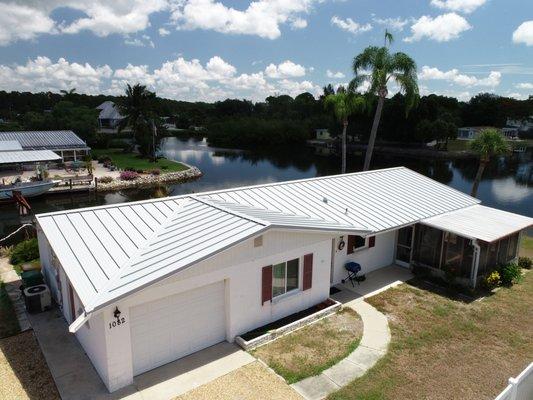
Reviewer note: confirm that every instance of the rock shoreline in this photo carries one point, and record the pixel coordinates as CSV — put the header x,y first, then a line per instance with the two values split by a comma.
x,y
152,180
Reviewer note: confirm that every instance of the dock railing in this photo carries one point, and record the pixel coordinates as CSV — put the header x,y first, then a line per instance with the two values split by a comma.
x,y
519,388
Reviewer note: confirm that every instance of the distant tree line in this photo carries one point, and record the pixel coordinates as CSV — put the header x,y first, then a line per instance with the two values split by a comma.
x,y
279,120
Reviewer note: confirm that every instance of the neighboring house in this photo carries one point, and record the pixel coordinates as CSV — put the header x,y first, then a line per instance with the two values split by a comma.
x,y
510,133
471,132
322,134
145,283
65,144
109,116
524,125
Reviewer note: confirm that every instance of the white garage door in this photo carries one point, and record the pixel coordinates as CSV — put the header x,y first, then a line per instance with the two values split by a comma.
x,y
175,326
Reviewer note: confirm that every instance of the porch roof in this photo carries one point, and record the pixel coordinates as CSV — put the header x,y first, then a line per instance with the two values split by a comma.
x,y
480,222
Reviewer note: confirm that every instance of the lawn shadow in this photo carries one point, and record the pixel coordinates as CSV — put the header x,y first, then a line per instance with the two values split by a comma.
x,y
452,292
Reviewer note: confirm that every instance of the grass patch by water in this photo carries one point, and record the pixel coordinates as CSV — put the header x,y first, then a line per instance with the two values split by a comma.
x,y
449,349
314,348
526,246
9,325
130,160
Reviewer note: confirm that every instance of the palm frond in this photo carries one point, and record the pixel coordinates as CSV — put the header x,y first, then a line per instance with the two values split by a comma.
x,y
389,39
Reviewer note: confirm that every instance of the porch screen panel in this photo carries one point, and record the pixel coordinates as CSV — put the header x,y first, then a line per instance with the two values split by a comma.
x,y
428,246
511,250
468,258
502,252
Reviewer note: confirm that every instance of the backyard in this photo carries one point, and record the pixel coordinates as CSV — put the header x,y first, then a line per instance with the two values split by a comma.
x,y
448,349
133,161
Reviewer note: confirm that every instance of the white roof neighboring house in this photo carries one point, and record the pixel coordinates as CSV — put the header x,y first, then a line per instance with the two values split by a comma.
x,y
108,110
111,251
10,145
24,156
45,140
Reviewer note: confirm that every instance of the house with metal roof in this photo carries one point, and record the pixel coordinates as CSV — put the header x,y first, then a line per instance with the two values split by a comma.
x,y
109,116
66,144
145,283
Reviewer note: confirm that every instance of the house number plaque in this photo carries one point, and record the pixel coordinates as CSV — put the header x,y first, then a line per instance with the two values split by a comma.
x,y
118,319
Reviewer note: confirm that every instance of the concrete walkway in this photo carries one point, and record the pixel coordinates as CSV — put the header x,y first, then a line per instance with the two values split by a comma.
x,y
12,284
373,346
76,378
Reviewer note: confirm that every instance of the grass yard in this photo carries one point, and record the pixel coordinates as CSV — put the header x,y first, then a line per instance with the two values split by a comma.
x,y
8,320
526,246
314,348
458,145
446,349
130,160
24,373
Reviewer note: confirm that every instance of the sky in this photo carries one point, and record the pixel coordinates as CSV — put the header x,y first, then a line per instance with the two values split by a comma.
x,y
207,50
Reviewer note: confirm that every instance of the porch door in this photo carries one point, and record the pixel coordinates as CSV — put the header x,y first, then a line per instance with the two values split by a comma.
x,y
403,246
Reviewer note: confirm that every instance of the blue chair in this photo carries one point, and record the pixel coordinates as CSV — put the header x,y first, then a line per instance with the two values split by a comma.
x,y
353,269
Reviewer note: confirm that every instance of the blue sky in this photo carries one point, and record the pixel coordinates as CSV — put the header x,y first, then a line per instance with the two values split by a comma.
x,y
214,49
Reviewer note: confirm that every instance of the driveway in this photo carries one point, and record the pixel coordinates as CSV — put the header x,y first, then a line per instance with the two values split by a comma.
x,y
76,378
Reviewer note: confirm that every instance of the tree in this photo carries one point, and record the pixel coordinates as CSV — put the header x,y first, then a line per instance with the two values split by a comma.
x,y
376,66
487,144
137,107
344,103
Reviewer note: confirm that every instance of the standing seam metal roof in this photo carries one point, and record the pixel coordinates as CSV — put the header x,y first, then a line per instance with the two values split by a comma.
x,y
21,156
45,140
111,251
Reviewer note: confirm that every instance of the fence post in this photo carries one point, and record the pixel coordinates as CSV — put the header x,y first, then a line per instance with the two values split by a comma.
x,y
96,184
514,388
70,183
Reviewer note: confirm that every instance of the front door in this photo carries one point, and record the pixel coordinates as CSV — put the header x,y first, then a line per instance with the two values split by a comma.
x,y
403,246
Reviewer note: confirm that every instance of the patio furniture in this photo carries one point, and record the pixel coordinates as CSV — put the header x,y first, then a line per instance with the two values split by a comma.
x,y
353,269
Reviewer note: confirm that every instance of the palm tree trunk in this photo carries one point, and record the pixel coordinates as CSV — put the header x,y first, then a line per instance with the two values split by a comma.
x,y
477,179
373,133
345,126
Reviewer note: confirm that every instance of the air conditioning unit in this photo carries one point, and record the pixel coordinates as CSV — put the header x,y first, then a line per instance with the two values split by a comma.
x,y
37,298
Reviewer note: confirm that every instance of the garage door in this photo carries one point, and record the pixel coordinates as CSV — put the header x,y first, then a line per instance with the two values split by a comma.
x,y
175,326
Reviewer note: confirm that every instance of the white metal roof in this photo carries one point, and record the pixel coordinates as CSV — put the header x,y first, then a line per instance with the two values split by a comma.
x,y
480,222
111,251
22,156
375,200
108,110
10,145
45,140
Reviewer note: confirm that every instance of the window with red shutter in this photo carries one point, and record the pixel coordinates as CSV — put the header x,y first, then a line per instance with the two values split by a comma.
x,y
371,241
308,272
355,242
266,284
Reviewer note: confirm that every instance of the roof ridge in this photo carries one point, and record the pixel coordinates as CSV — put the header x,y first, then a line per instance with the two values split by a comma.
x,y
220,207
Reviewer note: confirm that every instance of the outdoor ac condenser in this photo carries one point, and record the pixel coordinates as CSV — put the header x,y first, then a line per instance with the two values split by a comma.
x,y
37,298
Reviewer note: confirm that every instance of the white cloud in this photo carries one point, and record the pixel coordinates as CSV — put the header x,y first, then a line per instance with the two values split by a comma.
x,y
286,69
102,17
465,6
349,25
453,76
443,28
396,24
335,75
218,68
42,74
20,22
163,32
524,33
142,41
525,85
262,18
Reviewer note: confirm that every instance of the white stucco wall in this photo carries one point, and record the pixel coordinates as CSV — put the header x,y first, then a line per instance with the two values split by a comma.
x,y
370,259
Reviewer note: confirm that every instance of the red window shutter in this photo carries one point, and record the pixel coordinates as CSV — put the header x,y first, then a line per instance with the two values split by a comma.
x,y
308,272
371,241
266,284
351,244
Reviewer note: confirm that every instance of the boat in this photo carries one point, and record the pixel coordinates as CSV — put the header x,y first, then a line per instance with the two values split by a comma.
x,y
27,189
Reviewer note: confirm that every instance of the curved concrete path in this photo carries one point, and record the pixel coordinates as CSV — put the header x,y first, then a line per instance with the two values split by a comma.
x,y
373,346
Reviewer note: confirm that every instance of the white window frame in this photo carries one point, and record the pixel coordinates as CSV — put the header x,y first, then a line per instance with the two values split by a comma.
x,y
287,292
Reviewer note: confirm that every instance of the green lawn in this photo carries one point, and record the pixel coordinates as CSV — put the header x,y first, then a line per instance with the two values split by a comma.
x,y
447,349
130,160
526,247
458,145
9,325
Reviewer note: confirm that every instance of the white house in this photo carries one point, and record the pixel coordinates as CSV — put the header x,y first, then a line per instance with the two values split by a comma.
x,y
146,283
109,116
322,134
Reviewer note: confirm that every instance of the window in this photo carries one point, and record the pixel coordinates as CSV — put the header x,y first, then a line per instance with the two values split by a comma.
x,y
285,277
355,243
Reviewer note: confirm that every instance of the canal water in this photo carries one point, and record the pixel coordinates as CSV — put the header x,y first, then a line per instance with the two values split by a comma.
x,y
507,183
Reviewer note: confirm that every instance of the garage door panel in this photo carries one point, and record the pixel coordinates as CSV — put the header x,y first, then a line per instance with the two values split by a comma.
x,y
170,328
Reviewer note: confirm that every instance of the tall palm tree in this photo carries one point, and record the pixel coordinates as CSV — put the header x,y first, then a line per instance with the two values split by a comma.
x,y
489,143
377,67
138,110
344,103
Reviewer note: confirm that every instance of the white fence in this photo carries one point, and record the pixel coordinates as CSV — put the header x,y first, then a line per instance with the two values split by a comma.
x,y
519,388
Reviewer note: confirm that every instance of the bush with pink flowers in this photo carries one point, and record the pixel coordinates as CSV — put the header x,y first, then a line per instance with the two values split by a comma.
x,y
128,175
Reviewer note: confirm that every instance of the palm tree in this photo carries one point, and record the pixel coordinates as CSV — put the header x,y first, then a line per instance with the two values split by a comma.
x,y
137,109
487,144
377,67
67,93
344,103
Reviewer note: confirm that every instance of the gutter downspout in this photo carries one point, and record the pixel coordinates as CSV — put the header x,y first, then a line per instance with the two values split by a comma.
x,y
79,322
475,262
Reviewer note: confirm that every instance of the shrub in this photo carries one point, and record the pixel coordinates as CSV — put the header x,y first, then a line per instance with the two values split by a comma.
x,y
525,262
139,171
155,171
128,175
510,274
6,251
25,251
104,159
492,280
105,179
